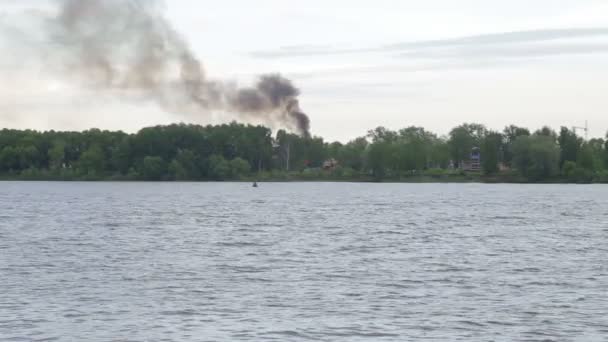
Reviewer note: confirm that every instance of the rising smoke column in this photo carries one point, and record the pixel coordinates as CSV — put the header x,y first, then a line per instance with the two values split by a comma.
x,y
128,47
273,91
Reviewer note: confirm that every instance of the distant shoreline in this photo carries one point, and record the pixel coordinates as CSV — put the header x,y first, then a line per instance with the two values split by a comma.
x,y
467,179
180,152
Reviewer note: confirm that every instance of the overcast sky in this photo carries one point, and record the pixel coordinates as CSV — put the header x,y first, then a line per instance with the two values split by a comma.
x,y
362,64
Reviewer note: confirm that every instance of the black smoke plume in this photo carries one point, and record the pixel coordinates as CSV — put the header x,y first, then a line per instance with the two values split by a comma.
x,y
128,47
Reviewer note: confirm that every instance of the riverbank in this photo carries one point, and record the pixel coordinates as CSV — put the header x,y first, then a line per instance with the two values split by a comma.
x,y
446,177
236,152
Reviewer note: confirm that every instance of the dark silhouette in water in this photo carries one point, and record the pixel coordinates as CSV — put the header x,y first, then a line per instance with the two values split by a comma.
x,y
255,184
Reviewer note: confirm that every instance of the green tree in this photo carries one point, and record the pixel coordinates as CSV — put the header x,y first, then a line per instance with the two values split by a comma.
x,y
239,167
177,171
462,140
586,159
352,155
415,146
219,168
154,168
491,150
57,155
195,152
9,159
569,144
547,132
188,165
92,161
569,170
120,156
510,134
536,156
381,155
596,146
28,156
440,154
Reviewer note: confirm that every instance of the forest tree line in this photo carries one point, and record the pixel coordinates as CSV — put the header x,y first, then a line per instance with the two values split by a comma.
x,y
237,151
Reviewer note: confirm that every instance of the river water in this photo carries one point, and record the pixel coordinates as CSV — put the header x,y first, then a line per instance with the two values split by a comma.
x,y
303,262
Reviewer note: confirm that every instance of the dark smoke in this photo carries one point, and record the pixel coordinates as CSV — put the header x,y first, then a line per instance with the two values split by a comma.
x,y
127,46
296,114
273,91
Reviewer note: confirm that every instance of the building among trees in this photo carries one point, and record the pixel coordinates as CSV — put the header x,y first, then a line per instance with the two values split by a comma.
x,y
237,151
474,162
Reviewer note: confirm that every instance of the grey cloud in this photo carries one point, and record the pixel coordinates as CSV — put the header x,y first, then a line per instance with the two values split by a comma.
x,y
517,51
307,50
441,66
506,38
493,39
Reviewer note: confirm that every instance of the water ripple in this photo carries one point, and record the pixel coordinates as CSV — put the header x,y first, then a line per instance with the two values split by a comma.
x,y
298,262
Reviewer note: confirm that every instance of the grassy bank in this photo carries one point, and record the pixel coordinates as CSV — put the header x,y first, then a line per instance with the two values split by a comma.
x,y
314,175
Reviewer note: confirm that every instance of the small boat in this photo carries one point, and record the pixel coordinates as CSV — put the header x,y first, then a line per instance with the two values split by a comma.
x,y
255,184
